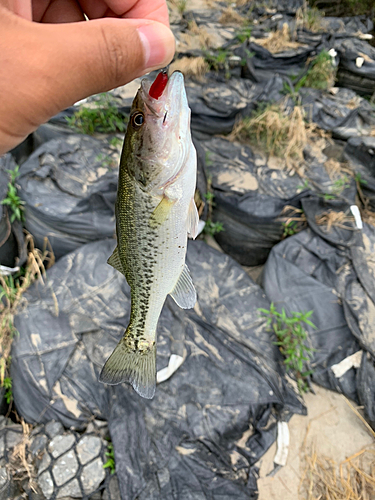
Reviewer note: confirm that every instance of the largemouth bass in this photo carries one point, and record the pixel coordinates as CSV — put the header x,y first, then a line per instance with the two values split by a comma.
x,y
155,212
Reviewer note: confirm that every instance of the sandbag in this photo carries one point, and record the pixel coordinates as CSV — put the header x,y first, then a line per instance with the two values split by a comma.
x,y
343,113
332,275
261,65
217,103
360,152
230,384
252,200
69,187
347,25
357,65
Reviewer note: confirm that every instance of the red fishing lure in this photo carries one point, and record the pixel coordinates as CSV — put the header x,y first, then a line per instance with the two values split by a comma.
x,y
157,88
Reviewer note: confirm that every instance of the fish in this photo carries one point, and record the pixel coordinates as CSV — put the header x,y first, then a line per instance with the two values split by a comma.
x,y
155,212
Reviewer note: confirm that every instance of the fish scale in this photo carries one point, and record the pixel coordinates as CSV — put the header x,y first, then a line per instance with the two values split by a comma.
x,y
155,211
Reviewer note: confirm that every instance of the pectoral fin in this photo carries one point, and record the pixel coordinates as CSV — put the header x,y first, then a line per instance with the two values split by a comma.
x,y
193,220
115,261
161,212
184,293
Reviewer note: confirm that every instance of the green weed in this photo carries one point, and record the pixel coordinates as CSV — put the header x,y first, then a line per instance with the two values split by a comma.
x,y
181,6
359,180
244,34
212,228
337,188
292,340
218,60
7,385
321,75
290,228
102,117
12,200
110,463
305,185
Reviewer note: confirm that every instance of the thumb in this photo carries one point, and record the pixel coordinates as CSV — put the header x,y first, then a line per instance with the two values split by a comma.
x,y
45,68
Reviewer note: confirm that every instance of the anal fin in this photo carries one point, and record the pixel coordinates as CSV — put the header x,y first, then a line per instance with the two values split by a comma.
x,y
115,261
184,293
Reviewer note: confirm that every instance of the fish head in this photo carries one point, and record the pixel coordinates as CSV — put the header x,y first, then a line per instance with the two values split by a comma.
x,y
158,140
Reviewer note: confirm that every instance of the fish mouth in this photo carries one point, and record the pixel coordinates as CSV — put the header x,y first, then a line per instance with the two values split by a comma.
x,y
169,93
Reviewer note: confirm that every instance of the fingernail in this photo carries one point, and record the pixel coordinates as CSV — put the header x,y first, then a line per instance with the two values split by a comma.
x,y
158,45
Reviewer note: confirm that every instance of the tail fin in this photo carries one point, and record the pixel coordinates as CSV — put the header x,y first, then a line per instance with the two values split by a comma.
x,y
134,365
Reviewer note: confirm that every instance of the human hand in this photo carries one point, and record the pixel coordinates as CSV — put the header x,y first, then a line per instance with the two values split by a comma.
x,y
50,57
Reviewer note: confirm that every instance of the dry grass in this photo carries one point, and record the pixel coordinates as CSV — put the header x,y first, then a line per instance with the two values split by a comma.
x,y
12,290
277,132
190,67
230,16
363,203
20,465
338,170
337,219
352,479
309,18
199,32
278,41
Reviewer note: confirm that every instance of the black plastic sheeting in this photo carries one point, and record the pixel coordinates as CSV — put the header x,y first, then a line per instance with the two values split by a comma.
x,y
360,152
217,103
344,113
69,187
332,274
352,74
261,64
12,239
185,443
254,201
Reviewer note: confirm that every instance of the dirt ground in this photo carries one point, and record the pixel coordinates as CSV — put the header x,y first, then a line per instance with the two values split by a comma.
x,y
331,429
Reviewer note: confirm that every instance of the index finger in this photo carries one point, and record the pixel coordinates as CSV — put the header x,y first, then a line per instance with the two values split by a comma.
x,y
155,10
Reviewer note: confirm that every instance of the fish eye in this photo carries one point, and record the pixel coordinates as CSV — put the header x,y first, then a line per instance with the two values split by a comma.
x,y
138,119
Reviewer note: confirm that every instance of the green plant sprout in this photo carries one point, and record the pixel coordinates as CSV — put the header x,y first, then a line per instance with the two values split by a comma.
x,y
110,463
337,189
359,180
305,185
212,228
7,385
290,228
321,74
12,200
218,60
244,34
292,341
